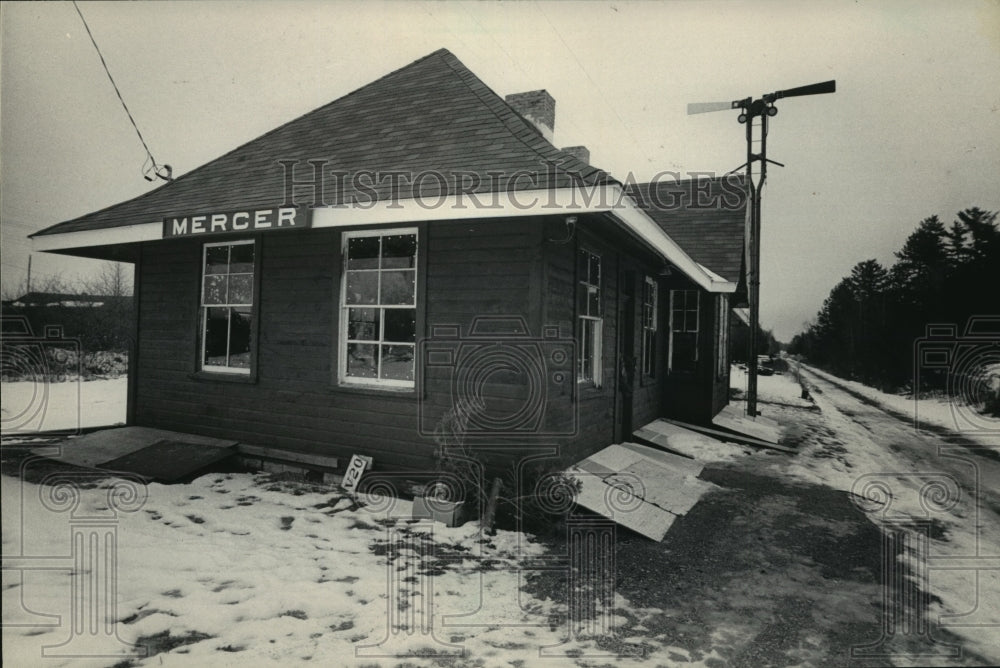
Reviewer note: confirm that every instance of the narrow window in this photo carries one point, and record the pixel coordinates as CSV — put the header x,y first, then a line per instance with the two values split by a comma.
x,y
378,308
649,293
227,306
722,339
591,321
683,329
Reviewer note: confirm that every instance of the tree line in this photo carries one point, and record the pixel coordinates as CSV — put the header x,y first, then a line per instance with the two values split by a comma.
x,y
873,320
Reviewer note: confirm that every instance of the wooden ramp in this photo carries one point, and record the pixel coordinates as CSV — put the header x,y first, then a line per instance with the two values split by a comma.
x,y
639,487
693,440
156,454
734,418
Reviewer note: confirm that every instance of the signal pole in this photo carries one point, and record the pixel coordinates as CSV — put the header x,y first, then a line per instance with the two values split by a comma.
x,y
763,108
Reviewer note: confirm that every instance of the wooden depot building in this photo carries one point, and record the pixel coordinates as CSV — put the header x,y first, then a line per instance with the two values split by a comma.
x,y
417,258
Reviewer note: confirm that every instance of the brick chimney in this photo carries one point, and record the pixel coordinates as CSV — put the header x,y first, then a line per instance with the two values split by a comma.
x,y
581,153
538,107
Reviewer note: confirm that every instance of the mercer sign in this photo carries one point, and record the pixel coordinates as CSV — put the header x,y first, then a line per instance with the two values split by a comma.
x,y
236,222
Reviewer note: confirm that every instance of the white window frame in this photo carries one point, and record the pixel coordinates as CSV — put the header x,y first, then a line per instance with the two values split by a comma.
x,y
355,381
213,368
650,315
592,323
673,325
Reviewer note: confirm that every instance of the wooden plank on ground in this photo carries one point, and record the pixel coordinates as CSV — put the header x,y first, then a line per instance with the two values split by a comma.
x,y
168,460
677,438
615,457
761,428
287,456
688,466
621,507
94,449
671,490
728,436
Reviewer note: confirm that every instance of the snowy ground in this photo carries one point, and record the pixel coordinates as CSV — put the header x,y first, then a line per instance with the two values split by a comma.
x,y
946,412
29,407
941,491
782,566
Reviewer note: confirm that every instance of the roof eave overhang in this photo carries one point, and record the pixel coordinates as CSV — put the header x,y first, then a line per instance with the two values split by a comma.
x,y
608,198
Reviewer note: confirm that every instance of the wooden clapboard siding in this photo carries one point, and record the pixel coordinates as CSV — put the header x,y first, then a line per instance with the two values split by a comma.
x,y
697,396
518,268
293,401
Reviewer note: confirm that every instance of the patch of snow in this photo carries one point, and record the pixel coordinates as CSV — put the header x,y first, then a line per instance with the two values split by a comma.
x,y
946,412
780,388
31,407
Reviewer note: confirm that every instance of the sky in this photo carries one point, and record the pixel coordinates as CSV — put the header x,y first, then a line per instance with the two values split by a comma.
x,y
912,131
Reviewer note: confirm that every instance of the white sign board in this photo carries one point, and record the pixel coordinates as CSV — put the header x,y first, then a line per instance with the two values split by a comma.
x,y
355,469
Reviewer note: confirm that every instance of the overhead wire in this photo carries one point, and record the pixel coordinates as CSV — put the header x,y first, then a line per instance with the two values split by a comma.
x,y
593,83
150,165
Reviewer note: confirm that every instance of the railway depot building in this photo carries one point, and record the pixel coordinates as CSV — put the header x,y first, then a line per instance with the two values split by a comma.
x,y
418,258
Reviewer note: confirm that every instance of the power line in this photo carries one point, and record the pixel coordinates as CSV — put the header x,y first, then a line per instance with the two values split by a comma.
x,y
593,83
162,171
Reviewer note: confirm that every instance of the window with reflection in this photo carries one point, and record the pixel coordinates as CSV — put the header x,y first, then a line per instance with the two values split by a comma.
x,y
590,317
378,308
227,306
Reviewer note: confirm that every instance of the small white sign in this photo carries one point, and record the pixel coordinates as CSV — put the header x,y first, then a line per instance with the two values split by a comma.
x,y
355,469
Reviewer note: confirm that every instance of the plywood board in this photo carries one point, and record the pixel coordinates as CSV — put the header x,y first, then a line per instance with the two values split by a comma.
x,y
689,466
169,461
671,490
727,436
96,448
615,457
621,507
761,428
676,437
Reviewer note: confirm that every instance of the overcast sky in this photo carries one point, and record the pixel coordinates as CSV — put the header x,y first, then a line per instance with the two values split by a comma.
x,y
913,129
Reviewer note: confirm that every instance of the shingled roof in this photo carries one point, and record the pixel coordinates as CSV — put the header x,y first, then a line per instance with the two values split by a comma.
x,y
705,216
432,115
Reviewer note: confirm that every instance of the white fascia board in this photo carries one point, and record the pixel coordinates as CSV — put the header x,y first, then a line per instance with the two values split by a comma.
x,y
639,222
719,280
604,198
108,236
545,202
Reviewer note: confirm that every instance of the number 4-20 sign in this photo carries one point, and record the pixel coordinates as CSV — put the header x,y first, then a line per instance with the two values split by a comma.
x,y
358,465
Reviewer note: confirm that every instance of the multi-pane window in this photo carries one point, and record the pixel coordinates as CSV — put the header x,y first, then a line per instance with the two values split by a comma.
x,y
722,337
649,292
378,308
683,329
227,306
588,296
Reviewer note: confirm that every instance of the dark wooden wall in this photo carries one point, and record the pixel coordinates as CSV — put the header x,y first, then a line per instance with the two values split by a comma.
x,y
293,400
522,268
696,396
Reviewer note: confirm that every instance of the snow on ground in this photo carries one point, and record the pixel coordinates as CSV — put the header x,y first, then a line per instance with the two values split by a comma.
x,y
940,411
273,576
916,482
252,572
781,388
29,407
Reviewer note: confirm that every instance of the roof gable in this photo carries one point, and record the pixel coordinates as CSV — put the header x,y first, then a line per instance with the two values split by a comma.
x,y
706,217
433,122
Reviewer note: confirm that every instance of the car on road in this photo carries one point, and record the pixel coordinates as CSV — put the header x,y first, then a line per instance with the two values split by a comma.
x,y
765,365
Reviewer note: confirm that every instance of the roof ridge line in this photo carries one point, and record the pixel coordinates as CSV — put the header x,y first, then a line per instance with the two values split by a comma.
x,y
462,72
439,52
